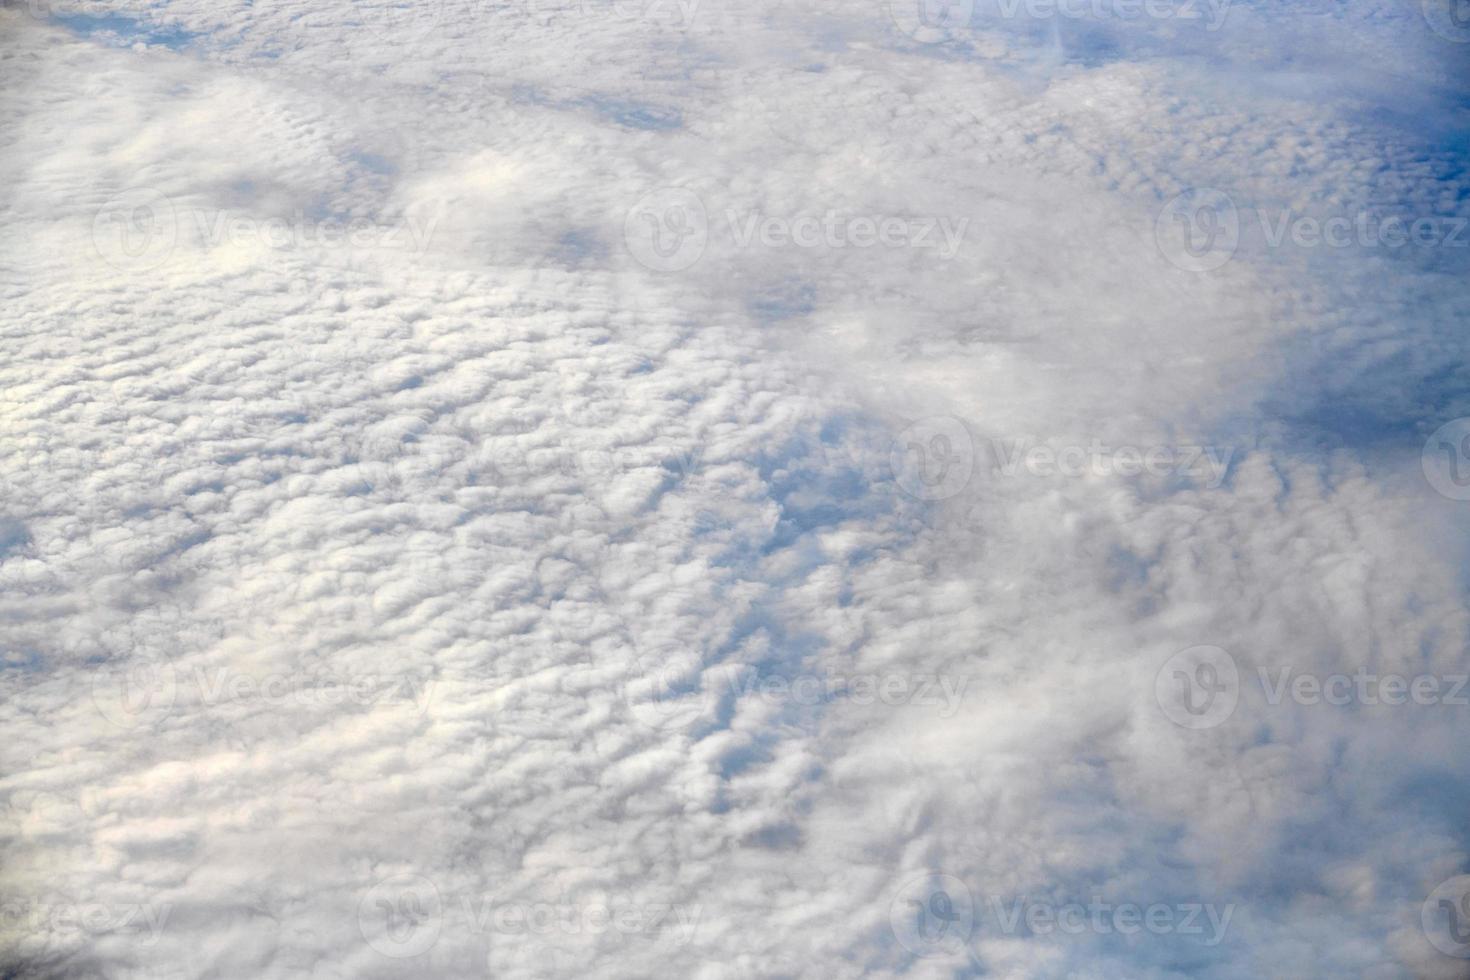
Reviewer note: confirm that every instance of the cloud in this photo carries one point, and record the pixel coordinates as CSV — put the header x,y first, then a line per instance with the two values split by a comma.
x,y
407,565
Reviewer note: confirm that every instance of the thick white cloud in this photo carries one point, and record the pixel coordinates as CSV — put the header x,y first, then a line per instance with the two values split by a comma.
x,y
659,488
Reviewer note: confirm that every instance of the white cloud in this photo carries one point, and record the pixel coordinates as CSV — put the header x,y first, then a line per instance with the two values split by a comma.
x,y
402,572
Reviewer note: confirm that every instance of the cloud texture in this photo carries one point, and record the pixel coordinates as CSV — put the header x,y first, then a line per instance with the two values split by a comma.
x,y
674,488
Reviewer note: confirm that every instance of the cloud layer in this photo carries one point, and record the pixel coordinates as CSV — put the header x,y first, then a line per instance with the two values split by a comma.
x,y
709,490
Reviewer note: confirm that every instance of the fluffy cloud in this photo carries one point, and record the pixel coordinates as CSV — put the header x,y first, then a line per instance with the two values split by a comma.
x,y
706,490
